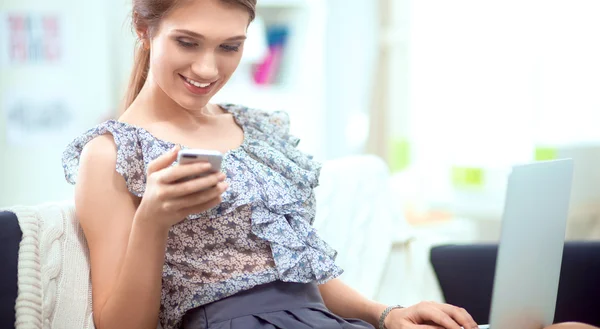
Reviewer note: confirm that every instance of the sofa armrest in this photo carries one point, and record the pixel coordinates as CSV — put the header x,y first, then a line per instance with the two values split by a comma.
x,y
466,276
10,237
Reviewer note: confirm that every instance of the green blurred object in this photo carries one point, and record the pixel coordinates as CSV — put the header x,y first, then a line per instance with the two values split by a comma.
x,y
467,177
399,154
544,153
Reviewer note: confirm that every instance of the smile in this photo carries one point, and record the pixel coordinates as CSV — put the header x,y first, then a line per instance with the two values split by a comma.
x,y
197,84
196,87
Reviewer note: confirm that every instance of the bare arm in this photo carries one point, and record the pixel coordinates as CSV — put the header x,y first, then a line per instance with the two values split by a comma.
x,y
126,256
127,237
348,303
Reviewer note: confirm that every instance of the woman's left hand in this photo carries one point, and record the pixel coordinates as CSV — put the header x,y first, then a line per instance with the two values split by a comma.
x,y
430,315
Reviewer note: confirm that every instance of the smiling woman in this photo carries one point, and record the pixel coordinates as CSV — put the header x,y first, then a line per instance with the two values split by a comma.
x,y
232,249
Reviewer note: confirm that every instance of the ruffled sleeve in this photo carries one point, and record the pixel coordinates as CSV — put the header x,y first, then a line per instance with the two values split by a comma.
x,y
130,164
278,181
276,123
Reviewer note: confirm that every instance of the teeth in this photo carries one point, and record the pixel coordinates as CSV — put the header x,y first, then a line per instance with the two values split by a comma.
x,y
197,84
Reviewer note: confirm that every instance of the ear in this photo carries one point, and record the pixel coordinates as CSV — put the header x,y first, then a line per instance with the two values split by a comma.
x,y
141,29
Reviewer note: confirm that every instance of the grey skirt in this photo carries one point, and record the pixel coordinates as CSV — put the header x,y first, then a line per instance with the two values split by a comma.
x,y
273,305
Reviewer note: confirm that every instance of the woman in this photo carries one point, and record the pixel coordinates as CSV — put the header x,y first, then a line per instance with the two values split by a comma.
x,y
232,249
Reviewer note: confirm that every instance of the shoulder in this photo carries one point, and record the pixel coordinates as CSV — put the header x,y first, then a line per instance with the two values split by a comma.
x,y
97,163
99,186
110,146
99,152
264,119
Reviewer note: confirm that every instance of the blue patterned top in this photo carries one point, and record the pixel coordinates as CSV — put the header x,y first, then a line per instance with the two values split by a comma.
x,y
261,232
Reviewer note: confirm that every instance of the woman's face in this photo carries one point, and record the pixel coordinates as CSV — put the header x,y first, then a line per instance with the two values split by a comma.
x,y
196,49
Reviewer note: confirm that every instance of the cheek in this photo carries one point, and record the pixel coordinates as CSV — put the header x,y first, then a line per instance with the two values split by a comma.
x,y
166,59
158,64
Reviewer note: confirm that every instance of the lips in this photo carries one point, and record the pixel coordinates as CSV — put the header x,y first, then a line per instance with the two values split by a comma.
x,y
196,87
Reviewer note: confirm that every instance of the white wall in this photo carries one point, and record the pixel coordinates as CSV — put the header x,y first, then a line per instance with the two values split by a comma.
x,y
352,41
33,173
489,81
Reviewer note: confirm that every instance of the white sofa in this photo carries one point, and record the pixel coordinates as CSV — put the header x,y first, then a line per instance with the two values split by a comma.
x,y
383,257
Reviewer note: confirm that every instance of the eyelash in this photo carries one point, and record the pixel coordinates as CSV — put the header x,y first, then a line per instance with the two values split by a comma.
x,y
186,44
230,48
226,48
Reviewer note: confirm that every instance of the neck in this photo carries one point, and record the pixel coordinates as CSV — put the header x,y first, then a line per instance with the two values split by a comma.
x,y
154,105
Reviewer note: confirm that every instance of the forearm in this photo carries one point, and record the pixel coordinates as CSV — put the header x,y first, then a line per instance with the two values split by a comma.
x,y
348,303
135,301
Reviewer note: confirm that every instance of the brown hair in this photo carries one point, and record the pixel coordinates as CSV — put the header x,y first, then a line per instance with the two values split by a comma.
x,y
146,15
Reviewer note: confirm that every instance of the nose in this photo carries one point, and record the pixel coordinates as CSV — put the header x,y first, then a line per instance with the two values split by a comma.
x,y
205,67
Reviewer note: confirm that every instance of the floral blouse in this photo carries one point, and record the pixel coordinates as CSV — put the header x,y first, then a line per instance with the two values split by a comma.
x,y
261,232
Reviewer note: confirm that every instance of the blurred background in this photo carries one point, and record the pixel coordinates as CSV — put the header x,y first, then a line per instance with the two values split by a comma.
x,y
449,94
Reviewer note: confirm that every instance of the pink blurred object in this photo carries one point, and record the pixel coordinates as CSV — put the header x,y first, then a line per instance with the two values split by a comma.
x,y
266,72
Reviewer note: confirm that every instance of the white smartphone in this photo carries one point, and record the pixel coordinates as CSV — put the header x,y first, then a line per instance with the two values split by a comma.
x,y
214,158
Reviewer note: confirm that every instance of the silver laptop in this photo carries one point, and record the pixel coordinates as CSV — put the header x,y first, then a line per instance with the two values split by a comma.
x,y
531,245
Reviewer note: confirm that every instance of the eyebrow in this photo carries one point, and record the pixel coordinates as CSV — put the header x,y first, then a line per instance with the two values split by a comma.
x,y
200,36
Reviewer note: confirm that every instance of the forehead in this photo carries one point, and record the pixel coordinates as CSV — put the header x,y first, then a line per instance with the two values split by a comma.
x,y
211,18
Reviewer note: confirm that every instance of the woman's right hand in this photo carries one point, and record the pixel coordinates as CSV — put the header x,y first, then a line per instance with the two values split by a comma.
x,y
167,201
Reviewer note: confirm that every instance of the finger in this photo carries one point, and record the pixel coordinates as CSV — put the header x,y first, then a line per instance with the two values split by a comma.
x,y
203,207
411,325
200,198
460,315
198,184
426,326
440,318
163,161
194,185
175,173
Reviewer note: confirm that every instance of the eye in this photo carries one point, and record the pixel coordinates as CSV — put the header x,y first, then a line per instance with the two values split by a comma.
x,y
186,44
229,48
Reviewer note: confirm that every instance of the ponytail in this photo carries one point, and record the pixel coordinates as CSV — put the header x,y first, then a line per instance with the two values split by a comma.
x,y
139,73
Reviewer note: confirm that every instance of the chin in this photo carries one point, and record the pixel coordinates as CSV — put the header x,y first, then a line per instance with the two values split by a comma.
x,y
191,106
184,98
194,102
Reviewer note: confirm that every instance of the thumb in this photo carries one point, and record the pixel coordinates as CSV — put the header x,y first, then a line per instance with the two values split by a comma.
x,y
163,161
